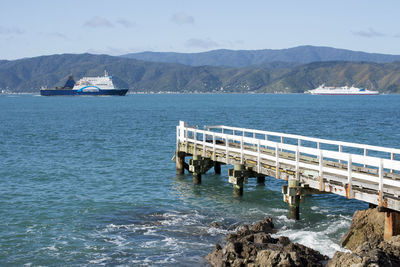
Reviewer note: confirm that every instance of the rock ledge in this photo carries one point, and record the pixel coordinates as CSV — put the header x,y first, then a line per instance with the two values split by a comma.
x,y
252,245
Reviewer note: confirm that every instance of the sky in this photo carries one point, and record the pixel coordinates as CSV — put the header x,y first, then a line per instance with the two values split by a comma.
x,y
30,28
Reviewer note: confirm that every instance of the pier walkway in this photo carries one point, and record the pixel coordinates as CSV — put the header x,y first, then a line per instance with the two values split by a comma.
x,y
310,165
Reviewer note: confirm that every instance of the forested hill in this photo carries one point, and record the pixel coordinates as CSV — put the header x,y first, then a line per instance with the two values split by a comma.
x,y
28,75
243,58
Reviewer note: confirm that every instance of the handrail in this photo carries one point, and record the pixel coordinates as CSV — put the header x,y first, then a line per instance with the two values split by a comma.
x,y
379,163
310,139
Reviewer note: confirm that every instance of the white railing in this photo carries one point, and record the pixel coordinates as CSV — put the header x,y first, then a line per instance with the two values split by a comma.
x,y
220,137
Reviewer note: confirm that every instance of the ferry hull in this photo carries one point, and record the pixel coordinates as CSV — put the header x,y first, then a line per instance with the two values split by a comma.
x,y
344,94
55,92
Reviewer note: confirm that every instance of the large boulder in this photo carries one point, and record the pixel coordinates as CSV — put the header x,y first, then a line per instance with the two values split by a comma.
x,y
367,226
386,253
252,245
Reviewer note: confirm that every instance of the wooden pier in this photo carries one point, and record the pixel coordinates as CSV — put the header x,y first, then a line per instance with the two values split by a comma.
x,y
310,165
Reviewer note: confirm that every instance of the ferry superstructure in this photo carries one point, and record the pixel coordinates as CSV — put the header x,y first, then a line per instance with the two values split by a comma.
x,y
344,90
101,85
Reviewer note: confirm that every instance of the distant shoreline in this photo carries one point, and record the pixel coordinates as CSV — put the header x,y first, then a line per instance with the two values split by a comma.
x,y
192,93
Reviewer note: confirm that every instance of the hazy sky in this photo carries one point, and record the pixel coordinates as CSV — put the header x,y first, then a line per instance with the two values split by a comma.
x,y
31,28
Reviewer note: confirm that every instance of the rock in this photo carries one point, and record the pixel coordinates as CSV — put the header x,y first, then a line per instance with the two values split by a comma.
x,y
265,225
367,226
386,253
215,225
252,245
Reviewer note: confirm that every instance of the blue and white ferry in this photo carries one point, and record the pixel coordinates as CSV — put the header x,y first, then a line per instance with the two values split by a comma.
x,y
89,86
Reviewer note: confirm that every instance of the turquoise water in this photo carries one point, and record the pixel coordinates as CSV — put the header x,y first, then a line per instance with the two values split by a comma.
x,y
90,181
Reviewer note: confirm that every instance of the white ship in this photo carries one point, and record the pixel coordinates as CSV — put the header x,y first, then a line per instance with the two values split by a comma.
x,y
344,90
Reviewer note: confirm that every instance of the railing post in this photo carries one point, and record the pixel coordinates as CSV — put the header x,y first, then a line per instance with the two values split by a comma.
x,y
340,150
297,163
381,182
365,154
321,177
349,189
258,157
186,140
214,155
204,144
392,158
195,142
227,149
241,151
177,138
277,174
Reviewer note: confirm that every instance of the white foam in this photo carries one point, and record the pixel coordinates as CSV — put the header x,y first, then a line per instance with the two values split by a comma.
x,y
335,226
51,248
99,261
172,219
284,219
278,210
117,240
317,237
217,231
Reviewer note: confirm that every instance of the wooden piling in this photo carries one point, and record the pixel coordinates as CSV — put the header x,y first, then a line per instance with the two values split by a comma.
x,y
180,162
392,224
197,171
237,179
293,199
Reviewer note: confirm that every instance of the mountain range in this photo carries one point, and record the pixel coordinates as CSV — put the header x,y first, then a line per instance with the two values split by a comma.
x,y
289,70
242,58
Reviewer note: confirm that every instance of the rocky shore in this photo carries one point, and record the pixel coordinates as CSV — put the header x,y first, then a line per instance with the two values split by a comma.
x,y
252,245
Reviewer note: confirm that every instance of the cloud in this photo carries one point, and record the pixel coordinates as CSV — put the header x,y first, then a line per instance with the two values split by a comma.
x,y
98,22
126,23
57,35
182,18
201,43
9,31
370,33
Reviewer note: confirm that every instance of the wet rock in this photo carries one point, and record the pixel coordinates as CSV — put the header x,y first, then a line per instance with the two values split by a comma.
x,y
215,225
386,253
252,245
367,226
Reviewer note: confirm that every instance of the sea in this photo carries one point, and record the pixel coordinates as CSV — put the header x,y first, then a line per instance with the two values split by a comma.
x,y
89,181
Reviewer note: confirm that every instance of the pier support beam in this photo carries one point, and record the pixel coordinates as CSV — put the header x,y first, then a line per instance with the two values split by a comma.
x,y
392,224
180,162
237,177
198,166
291,195
195,165
196,178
